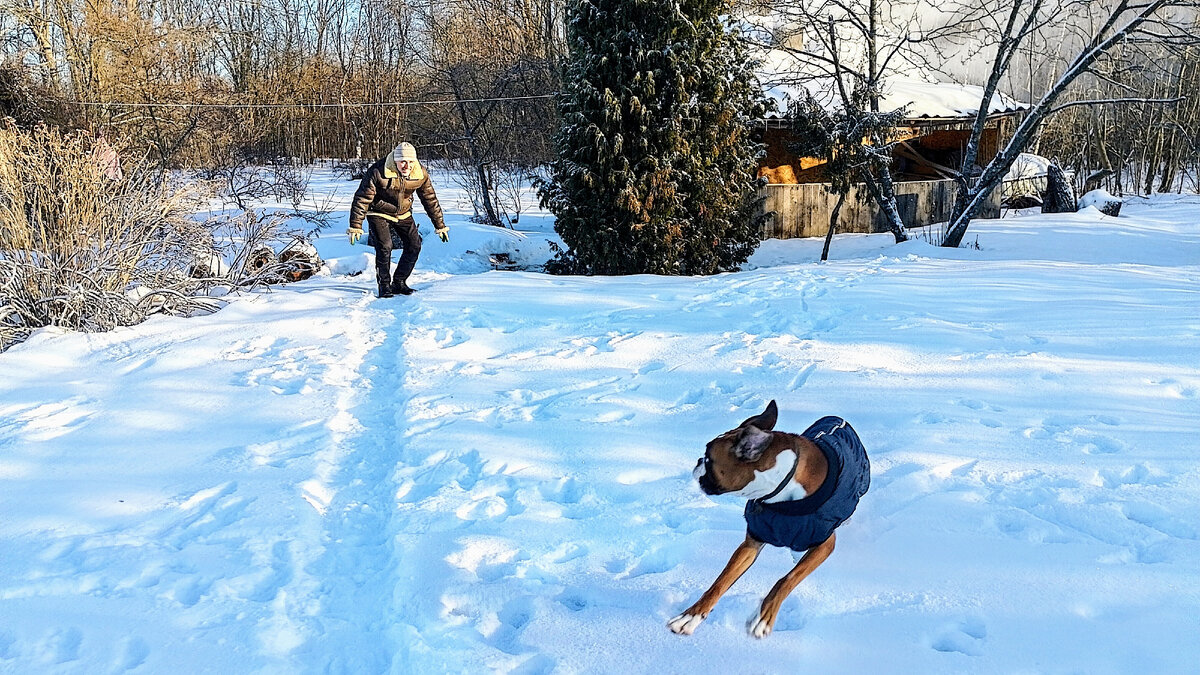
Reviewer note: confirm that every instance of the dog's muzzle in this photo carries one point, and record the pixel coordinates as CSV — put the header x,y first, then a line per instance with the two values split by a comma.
x,y
704,475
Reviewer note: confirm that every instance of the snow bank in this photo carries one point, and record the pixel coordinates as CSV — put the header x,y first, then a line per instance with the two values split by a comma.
x,y
494,475
1102,201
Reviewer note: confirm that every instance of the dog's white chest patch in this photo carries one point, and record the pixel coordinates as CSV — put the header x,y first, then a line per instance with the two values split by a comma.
x,y
765,482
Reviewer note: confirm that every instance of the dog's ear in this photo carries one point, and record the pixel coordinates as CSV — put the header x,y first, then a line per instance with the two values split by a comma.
x,y
764,420
751,443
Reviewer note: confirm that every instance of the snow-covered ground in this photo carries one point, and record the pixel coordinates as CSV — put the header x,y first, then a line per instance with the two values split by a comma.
x,y
494,475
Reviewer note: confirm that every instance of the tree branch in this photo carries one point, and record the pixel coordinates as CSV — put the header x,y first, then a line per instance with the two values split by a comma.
x,y
1106,101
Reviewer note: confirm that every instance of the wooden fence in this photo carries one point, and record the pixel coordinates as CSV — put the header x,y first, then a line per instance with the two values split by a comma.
x,y
804,210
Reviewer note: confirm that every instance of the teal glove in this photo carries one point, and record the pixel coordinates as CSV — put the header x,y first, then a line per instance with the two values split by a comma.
x,y
355,234
443,233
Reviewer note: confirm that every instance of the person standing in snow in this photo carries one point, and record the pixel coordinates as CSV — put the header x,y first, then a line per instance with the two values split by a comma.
x,y
385,200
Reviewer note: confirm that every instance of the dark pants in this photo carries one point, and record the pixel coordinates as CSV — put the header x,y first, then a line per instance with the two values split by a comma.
x,y
385,236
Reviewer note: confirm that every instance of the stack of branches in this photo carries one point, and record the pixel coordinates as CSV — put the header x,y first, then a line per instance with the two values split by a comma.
x,y
250,235
249,240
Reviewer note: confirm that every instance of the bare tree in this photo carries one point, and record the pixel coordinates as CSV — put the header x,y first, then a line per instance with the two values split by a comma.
x,y
488,56
1120,23
1142,147
837,138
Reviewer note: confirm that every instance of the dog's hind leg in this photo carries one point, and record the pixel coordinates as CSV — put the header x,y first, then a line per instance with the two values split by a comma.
x,y
761,625
742,559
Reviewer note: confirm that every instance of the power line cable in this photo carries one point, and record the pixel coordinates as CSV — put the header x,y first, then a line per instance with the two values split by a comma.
x,y
389,104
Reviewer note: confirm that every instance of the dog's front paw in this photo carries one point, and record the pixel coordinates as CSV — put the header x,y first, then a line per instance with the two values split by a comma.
x,y
760,626
685,624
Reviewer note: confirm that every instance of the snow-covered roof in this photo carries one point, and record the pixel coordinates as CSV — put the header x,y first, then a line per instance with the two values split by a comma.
x,y
924,100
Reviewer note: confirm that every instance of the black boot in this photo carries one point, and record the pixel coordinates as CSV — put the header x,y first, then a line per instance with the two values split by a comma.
x,y
385,290
402,288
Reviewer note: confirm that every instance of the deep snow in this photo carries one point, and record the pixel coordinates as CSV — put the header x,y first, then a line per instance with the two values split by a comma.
x,y
494,475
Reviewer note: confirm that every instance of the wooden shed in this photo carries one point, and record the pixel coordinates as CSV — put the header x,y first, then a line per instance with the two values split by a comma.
x,y
932,141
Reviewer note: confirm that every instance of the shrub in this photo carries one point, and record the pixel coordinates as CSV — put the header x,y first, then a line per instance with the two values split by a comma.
x,y
655,167
20,97
76,245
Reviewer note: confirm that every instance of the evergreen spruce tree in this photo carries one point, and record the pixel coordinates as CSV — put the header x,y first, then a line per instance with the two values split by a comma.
x,y
655,167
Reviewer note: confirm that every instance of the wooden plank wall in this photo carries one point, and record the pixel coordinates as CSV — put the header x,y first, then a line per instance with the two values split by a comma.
x,y
804,210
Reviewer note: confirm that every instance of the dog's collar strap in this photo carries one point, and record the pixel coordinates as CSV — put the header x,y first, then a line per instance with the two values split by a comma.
x,y
786,479
810,504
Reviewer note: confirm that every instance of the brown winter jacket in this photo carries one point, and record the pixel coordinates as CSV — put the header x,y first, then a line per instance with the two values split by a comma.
x,y
384,192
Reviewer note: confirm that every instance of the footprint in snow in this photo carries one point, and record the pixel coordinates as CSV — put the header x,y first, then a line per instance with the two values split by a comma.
x,y
282,570
965,637
1024,526
1075,433
792,617
1175,388
417,484
657,559
931,417
564,491
251,349
189,590
471,470
202,514
802,377
651,367
296,370
487,508
976,404
577,501
51,420
681,520
566,553
1096,444
131,653
494,499
578,599
512,619
1158,518
62,646
539,664
1138,474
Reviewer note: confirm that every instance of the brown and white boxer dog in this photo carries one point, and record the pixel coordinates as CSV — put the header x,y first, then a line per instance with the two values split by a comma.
x,y
799,488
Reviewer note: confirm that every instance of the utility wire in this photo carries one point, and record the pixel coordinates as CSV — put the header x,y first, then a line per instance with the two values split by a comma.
x,y
391,104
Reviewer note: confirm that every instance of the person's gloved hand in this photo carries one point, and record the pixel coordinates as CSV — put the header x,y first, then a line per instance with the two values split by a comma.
x,y
443,233
355,234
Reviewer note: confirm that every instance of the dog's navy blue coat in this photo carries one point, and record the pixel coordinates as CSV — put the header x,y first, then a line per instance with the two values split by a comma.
x,y
804,523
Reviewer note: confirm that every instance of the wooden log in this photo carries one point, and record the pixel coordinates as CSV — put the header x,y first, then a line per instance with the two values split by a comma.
x,y
1059,197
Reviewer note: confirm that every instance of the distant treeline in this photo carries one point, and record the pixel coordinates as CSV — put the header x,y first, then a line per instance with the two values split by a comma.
x,y
318,78
302,78
1149,146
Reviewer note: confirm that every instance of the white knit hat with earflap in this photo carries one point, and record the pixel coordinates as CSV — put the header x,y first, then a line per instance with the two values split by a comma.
x,y
405,152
